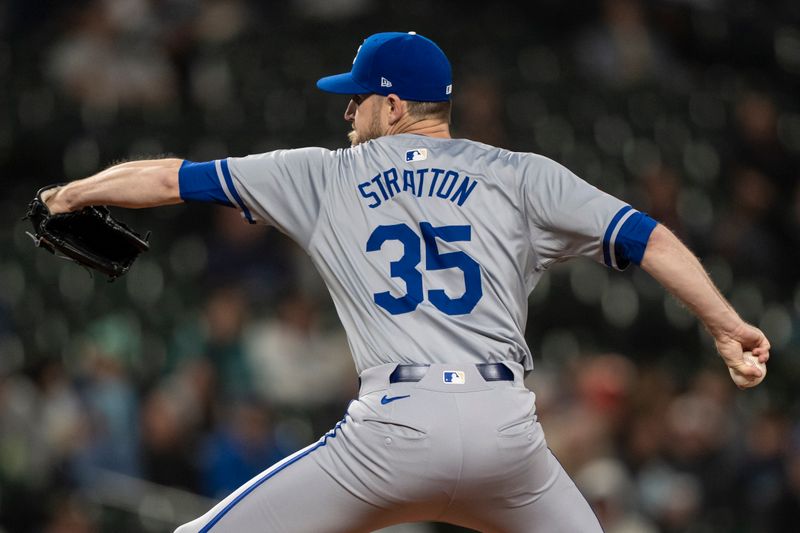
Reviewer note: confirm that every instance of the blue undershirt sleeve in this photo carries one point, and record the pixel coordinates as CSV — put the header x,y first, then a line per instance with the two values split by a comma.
x,y
199,182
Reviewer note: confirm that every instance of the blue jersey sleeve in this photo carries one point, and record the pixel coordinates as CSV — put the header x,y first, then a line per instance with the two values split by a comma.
x,y
626,238
283,188
568,217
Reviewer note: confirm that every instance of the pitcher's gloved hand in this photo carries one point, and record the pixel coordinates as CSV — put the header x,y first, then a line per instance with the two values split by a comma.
x,y
90,237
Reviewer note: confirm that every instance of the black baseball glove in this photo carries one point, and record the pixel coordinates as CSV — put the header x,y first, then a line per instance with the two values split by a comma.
x,y
90,237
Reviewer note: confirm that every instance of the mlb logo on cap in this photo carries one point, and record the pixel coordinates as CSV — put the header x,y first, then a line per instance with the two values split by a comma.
x,y
454,377
419,154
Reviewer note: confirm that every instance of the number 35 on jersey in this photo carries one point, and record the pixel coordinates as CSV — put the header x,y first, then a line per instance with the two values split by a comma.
x,y
406,268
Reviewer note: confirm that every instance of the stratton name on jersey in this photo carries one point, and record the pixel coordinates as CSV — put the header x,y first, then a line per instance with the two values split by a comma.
x,y
442,183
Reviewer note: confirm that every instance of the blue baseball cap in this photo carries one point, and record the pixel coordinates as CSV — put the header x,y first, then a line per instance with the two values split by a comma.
x,y
409,65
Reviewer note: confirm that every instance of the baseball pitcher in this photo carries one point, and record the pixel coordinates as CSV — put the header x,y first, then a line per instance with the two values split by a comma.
x,y
429,246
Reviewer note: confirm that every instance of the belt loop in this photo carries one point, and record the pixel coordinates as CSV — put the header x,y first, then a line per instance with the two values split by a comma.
x,y
408,373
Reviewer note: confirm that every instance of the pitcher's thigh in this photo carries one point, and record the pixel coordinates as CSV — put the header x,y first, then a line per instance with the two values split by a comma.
x,y
559,508
294,495
537,497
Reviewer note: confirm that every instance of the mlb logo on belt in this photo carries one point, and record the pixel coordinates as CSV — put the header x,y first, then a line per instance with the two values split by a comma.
x,y
419,154
454,377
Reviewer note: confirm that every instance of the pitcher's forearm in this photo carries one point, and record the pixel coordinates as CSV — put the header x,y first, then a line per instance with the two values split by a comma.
x,y
134,184
679,271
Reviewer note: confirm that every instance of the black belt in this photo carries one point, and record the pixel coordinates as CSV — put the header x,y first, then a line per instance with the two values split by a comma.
x,y
414,373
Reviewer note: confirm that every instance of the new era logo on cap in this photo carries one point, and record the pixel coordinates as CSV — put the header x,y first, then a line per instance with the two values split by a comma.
x,y
385,82
418,154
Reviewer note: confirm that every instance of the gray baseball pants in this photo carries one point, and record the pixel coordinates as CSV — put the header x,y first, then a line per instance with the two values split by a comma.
x,y
470,454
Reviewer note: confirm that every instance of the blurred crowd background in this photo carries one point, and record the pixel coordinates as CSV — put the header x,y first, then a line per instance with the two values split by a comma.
x,y
134,406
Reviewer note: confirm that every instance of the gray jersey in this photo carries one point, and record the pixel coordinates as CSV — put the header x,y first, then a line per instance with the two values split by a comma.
x,y
429,247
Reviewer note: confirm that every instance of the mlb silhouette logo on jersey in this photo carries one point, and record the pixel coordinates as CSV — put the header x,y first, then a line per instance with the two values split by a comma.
x,y
454,377
419,154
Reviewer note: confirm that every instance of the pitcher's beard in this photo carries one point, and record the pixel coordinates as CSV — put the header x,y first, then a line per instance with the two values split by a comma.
x,y
353,137
373,131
